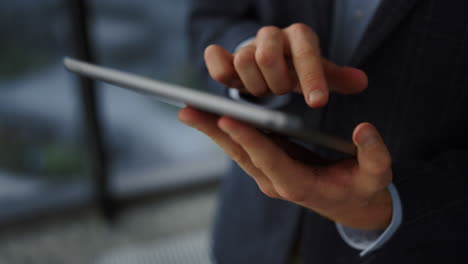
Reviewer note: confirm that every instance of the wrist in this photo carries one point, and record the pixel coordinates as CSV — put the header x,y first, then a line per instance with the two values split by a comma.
x,y
374,214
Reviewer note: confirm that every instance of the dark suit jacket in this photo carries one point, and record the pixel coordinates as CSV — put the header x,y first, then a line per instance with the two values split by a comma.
x,y
415,53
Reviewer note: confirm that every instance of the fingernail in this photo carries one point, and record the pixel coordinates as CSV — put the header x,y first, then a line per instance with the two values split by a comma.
x,y
316,96
367,137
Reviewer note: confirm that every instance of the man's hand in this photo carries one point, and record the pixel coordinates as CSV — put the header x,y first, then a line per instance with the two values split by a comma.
x,y
351,192
279,61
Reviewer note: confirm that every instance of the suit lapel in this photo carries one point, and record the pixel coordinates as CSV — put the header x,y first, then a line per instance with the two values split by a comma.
x,y
388,15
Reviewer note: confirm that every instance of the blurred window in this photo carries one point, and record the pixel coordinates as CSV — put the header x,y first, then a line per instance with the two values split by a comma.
x,y
150,148
42,148
42,158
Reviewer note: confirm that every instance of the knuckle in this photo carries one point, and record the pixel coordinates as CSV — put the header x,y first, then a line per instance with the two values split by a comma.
x,y
244,58
266,56
369,189
268,31
242,138
301,28
222,75
266,165
381,164
291,195
268,191
239,157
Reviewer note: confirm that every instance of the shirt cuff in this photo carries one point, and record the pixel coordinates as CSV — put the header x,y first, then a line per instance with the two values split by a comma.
x,y
368,241
271,101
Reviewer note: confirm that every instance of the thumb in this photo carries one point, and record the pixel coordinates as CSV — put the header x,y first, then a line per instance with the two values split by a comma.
x,y
373,156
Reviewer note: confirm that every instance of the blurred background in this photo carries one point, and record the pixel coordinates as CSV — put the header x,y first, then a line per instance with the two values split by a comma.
x,y
89,172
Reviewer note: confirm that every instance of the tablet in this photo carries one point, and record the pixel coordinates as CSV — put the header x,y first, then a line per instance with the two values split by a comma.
x,y
266,119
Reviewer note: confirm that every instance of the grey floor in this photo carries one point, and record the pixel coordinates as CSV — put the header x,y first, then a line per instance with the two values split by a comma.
x,y
170,230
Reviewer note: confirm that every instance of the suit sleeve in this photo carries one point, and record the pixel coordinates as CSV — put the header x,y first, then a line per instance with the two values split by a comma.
x,y
434,197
